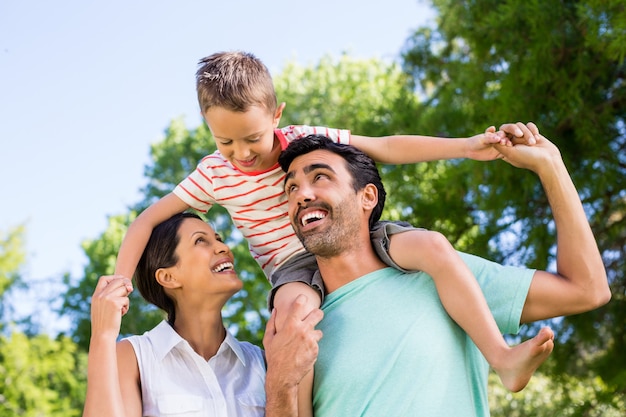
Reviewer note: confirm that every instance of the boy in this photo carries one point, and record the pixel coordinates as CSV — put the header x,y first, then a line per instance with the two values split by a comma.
x,y
238,102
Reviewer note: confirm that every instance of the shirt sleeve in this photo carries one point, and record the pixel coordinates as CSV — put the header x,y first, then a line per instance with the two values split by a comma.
x,y
505,289
197,190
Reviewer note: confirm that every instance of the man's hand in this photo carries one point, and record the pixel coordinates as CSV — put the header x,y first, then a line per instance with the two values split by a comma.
x,y
535,158
290,355
292,352
480,147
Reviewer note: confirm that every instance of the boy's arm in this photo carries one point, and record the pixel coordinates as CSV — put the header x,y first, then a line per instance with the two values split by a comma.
x,y
407,149
140,230
580,283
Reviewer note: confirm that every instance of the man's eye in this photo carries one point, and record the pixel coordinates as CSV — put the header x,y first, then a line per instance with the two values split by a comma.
x,y
289,189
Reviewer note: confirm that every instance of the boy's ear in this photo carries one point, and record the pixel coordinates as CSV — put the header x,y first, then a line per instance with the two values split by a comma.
x,y
166,279
369,196
279,114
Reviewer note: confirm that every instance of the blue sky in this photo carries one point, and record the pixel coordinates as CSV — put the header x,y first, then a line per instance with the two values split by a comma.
x,y
87,86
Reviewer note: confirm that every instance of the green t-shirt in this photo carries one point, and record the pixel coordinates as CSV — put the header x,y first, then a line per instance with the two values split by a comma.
x,y
390,349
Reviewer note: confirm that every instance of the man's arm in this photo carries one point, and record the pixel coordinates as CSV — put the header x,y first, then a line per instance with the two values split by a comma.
x,y
580,283
290,355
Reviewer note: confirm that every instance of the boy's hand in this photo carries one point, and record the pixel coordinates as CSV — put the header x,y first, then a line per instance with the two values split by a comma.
x,y
481,146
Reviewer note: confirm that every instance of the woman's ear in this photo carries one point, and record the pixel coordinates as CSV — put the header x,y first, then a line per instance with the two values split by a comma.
x,y
165,277
369,197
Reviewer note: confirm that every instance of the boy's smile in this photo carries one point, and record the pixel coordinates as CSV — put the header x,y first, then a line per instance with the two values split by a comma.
x,y
246,139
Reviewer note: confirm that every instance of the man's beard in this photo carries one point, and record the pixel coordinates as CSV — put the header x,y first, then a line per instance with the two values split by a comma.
x,y
338,236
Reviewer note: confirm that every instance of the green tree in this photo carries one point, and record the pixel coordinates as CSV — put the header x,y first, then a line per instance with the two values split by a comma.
x,y
369,97
560,64
12,257
41,376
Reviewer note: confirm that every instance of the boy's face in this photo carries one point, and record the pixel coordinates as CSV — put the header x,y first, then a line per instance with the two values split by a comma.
x,y
246,139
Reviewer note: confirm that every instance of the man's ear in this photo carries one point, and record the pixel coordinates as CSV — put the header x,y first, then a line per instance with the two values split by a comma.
x,y
165,277
369,196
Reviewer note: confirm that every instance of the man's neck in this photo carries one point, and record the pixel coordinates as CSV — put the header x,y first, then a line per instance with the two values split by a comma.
x,y
346,267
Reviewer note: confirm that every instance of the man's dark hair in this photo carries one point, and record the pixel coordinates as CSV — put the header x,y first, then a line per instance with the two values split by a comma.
x,y
362,168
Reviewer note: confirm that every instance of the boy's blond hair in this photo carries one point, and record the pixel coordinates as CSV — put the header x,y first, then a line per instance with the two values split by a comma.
x,y
235,81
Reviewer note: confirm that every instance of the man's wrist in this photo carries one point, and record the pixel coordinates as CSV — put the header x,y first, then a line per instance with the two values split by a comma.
x,y
281,396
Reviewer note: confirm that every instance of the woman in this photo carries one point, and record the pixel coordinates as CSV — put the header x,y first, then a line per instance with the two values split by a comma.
x,y
189,364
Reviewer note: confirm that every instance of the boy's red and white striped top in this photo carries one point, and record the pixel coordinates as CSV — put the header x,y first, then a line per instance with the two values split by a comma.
x,y
255,201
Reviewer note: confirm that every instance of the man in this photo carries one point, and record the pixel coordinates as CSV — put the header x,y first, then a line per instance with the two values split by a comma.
x,y
388,346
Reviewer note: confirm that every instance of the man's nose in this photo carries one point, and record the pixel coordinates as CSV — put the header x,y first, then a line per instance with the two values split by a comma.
x,y
304,195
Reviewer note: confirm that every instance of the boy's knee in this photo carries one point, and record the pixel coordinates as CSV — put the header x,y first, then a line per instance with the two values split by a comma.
x,y
286,294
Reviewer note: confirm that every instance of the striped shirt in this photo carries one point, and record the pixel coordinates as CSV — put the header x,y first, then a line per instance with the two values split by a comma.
x,y
255,201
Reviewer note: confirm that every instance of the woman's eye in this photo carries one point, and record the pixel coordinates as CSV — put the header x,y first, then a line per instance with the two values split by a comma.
x,y
200,240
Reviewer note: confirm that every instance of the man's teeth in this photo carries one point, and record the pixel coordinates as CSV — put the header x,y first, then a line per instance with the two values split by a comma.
x,y
223,267
311,217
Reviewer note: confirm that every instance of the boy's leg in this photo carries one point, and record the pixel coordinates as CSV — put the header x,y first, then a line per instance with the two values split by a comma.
x,y
463,299
298,275
286,294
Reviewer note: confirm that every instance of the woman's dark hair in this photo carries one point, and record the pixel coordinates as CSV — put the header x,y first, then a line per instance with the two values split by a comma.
x,y
362,168
160,252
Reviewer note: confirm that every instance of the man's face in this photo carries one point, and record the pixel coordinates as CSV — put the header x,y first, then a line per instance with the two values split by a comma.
x,y
323,206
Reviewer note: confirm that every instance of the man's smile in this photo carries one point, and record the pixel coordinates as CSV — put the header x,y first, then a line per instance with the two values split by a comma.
x,y
309,217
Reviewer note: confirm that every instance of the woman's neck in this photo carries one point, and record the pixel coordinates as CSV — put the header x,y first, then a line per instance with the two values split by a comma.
x,y
204,331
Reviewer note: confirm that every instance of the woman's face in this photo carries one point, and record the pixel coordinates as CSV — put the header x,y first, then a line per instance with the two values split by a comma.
x,y
205,264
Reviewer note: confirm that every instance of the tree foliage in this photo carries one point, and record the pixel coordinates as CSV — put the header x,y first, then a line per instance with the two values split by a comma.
x,y
560,64
41,376
12,256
